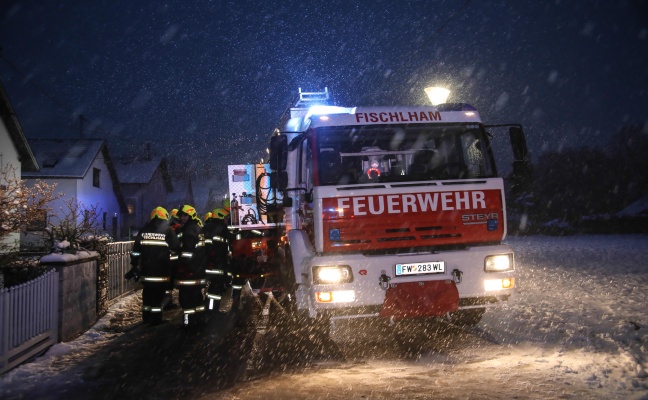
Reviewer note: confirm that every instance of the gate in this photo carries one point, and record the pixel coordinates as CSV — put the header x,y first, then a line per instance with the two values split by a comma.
x,y
118,265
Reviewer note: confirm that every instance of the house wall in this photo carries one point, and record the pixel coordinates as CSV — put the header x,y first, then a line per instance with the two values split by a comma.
x,y
154,195
68,187
8,151
147,197
84,192
8,156
104,196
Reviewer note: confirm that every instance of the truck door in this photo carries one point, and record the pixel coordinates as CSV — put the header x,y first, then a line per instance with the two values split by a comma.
x,y
305,183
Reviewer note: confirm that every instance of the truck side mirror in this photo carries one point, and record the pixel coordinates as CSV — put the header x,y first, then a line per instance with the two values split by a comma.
x,y
521,163
518,142
278,180
278,152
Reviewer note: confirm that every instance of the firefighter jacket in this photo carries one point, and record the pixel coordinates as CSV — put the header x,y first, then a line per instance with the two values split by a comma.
x,y
155,245
217,244
191,261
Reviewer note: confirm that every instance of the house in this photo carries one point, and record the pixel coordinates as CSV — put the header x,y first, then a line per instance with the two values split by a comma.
x,y
145,183
638,208
83,171
182,194
15,155
212,191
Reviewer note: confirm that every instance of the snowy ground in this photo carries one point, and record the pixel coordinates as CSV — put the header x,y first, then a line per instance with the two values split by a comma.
x,y
577,329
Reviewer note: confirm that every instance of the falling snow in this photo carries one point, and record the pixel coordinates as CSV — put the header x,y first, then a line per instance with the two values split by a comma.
x,y
577,328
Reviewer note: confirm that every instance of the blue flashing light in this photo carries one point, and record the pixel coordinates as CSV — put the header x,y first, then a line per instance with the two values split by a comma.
x,y
323,110
492,224
455,107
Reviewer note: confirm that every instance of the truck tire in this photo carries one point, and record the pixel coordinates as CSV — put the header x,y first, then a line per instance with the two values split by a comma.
x,y
468,318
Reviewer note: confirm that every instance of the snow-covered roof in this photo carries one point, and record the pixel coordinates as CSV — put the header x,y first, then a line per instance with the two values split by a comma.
x,y
137,170
63,158
639,207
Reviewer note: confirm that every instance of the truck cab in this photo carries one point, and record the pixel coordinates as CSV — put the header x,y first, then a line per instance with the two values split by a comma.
x,y
392,212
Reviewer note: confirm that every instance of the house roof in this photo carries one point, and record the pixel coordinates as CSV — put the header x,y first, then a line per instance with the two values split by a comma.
x,y
71,159
135,170
64,158
27,160
637,208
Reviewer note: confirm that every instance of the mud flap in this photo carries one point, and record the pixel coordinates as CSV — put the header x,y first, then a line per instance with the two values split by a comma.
x,y
420,299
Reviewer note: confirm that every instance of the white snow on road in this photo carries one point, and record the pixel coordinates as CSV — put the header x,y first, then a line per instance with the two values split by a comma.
x,y
577,328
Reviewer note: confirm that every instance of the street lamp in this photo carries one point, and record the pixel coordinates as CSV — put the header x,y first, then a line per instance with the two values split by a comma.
x,y
437,95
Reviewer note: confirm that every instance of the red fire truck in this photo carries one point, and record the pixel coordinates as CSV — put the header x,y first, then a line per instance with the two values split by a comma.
x,y
384,212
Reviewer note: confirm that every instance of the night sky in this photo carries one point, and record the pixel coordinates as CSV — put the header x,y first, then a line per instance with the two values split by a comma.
x,y
209,80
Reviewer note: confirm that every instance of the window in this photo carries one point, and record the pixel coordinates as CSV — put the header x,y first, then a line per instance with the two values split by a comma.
x,y
131,205
96,177
418,152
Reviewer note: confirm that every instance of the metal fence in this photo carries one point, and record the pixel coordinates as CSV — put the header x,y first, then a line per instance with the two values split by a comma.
x,y
28,319
118,265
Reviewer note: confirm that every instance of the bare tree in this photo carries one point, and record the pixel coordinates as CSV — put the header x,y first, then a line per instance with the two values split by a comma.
x,y
21,208
76,223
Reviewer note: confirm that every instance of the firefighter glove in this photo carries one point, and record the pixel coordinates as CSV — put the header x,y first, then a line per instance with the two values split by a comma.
x,y
134,273
227,281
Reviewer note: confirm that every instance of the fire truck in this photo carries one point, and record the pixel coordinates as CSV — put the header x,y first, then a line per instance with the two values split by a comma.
x,y
380,212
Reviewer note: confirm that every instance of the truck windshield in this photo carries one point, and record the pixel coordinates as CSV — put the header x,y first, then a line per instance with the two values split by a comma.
x,y
369,154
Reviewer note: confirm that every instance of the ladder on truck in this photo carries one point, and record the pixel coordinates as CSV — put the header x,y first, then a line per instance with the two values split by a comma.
x,y
309,99
300,104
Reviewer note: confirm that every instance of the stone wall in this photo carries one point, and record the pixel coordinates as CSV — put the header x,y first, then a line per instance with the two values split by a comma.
x,y
77,291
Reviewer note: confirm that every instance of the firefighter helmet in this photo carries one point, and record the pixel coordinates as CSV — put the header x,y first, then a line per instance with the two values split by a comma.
x,y
208,216
220,213
188,210
174,212
226,204
160,212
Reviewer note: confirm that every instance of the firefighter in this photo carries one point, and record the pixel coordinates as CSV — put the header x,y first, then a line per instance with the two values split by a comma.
x,y
190,274
175,224
217,249
174,221
154,246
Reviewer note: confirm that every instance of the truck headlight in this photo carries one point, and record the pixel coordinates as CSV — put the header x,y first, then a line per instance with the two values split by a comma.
x,y
332,274
499,263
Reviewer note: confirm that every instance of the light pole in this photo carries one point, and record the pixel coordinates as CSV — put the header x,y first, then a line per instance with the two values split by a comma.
x,y
437,95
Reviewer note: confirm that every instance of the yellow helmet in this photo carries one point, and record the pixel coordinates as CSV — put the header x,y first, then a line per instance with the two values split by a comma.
x,y
226,204
208,216
160,212
188,210
220,213
174,212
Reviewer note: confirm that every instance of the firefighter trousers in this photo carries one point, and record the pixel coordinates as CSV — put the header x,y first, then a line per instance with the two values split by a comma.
x,y
153,299
192,300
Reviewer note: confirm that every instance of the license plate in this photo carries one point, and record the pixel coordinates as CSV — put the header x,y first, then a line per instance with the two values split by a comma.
x,y
433,267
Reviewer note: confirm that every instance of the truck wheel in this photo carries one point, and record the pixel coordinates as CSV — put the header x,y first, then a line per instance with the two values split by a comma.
x,y
469,317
